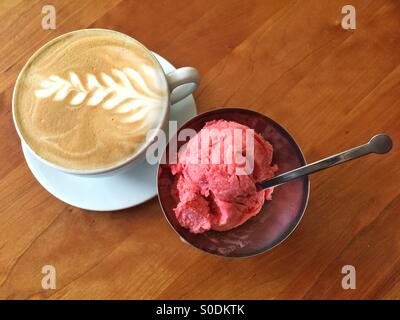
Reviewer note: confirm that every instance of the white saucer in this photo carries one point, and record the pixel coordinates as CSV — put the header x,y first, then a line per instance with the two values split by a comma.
x,y
120,191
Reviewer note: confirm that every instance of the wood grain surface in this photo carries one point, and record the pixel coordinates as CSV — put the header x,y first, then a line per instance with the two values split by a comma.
x,y
291,60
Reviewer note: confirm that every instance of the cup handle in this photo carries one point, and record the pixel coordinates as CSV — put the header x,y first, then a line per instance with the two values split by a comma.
x,y
187,77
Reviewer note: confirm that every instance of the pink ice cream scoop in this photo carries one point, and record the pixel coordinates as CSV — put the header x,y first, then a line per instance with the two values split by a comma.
x,y
212,194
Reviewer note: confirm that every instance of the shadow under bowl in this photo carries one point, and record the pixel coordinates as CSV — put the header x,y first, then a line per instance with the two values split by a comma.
x,y
278,217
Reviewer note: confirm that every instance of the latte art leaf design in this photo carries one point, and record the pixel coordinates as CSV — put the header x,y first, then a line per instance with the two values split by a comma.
x,y
114,91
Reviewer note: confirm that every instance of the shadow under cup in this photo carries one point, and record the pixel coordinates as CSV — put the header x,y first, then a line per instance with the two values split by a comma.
x,y
278,217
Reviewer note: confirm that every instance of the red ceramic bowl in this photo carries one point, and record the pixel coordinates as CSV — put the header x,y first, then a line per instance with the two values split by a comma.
x,y
277,219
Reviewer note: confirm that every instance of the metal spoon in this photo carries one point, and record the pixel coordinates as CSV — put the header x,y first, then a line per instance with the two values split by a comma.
x,y
380,143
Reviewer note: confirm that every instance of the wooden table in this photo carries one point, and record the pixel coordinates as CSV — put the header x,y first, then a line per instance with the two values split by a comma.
x,y
291,60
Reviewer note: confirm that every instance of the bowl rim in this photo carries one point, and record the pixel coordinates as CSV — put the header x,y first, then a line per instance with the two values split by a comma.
x,y
306,182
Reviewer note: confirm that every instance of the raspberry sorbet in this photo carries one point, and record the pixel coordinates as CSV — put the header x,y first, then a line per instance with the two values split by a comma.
x,y
212,195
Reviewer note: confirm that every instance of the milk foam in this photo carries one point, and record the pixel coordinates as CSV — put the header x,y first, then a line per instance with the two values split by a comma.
x,y
88,99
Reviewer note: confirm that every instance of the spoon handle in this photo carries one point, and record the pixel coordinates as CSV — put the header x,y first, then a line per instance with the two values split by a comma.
x,y
380,143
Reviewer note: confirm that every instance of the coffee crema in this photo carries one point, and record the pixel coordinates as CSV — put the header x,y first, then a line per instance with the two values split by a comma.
x,y
86,100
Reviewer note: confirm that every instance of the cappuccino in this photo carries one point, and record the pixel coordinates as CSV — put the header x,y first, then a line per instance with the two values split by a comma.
x,y
87,99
